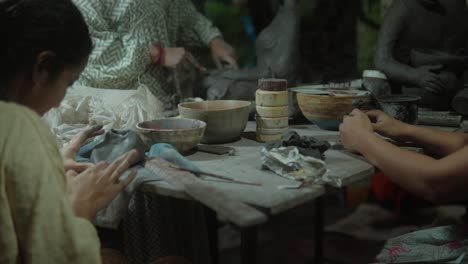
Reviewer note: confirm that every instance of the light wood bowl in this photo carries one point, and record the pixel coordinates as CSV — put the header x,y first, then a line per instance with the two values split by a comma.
x,y
225,119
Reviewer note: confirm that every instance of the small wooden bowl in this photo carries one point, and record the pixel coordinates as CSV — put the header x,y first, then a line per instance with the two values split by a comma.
x,y
184,134
327,111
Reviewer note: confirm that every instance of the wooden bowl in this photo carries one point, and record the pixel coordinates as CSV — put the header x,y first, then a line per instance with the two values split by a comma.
x,y
225,119
327,111
184,134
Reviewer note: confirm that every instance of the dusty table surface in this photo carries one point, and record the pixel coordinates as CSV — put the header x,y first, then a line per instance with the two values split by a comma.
x,y
246,165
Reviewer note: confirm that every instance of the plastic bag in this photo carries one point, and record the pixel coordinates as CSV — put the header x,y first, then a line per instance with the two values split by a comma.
x,y
289,163
114,109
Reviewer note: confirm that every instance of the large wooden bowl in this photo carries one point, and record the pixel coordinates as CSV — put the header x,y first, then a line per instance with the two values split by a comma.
x,y
183,134
225,119
327,111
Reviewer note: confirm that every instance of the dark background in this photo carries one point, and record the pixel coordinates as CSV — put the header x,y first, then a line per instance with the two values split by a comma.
x,y
338,37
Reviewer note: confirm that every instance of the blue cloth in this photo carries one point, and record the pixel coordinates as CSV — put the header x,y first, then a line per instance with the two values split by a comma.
x,y
111,216
170,154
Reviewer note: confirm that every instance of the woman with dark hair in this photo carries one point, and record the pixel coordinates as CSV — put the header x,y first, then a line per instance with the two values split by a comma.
x,y
46,207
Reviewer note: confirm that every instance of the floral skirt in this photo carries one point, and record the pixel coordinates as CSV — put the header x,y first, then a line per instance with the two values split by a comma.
x,y
446,244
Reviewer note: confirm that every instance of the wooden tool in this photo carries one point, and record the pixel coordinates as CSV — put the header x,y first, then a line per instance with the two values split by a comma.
x,y
216,176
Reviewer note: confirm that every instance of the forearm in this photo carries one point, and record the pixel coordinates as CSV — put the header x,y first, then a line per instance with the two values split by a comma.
x,y
395,70
434,141
439,181
410,170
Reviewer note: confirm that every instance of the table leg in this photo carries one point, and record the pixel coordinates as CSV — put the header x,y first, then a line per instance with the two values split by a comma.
x,y
248,245
212,228
319,229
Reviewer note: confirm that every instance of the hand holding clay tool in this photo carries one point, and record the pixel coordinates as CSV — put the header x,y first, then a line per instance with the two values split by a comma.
x,y
197,172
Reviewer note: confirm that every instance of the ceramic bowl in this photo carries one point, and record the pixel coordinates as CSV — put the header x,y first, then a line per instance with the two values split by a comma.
x,y
184,134
401,107
327,111
225,119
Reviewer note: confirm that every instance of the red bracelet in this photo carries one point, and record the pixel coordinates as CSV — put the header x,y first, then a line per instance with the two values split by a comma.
x,y
157,59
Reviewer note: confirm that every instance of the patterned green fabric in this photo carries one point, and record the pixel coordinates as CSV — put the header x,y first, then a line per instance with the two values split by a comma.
x,y
447,244
122,32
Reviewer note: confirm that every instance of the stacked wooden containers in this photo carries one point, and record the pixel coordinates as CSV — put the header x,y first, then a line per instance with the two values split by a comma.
x,y
272,105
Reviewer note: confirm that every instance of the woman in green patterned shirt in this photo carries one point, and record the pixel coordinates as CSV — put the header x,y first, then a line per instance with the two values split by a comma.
x,y
142,43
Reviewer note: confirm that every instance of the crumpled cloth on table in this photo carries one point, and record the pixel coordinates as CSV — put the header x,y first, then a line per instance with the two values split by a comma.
x,y
287,162
116,144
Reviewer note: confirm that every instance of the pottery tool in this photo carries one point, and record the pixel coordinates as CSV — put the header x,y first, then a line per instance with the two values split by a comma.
x,y
217,150
198,172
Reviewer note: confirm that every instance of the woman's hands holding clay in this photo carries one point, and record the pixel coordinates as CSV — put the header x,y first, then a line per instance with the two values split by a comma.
x,y
354,128
386,125
97,186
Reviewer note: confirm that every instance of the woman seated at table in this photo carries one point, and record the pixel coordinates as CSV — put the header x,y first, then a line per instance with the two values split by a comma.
x,y
47,201
441,180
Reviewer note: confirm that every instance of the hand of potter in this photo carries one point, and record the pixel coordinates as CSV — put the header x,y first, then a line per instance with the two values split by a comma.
x,y
428,78
180,58
69,152
97,186
223,52
355,127
385,125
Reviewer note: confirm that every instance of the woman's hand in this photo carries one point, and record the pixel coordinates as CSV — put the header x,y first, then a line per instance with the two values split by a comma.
x,y
69,152
223,52
97,186
386,125
354,128
178,58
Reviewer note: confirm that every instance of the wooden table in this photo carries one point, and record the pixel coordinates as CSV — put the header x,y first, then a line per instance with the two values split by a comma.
x,y
268,199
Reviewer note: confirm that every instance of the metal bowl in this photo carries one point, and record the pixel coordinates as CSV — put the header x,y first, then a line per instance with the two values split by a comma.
x,y
225,119
184,134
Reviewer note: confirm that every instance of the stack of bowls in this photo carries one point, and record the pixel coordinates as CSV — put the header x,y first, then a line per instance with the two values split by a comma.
x,y
272,109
